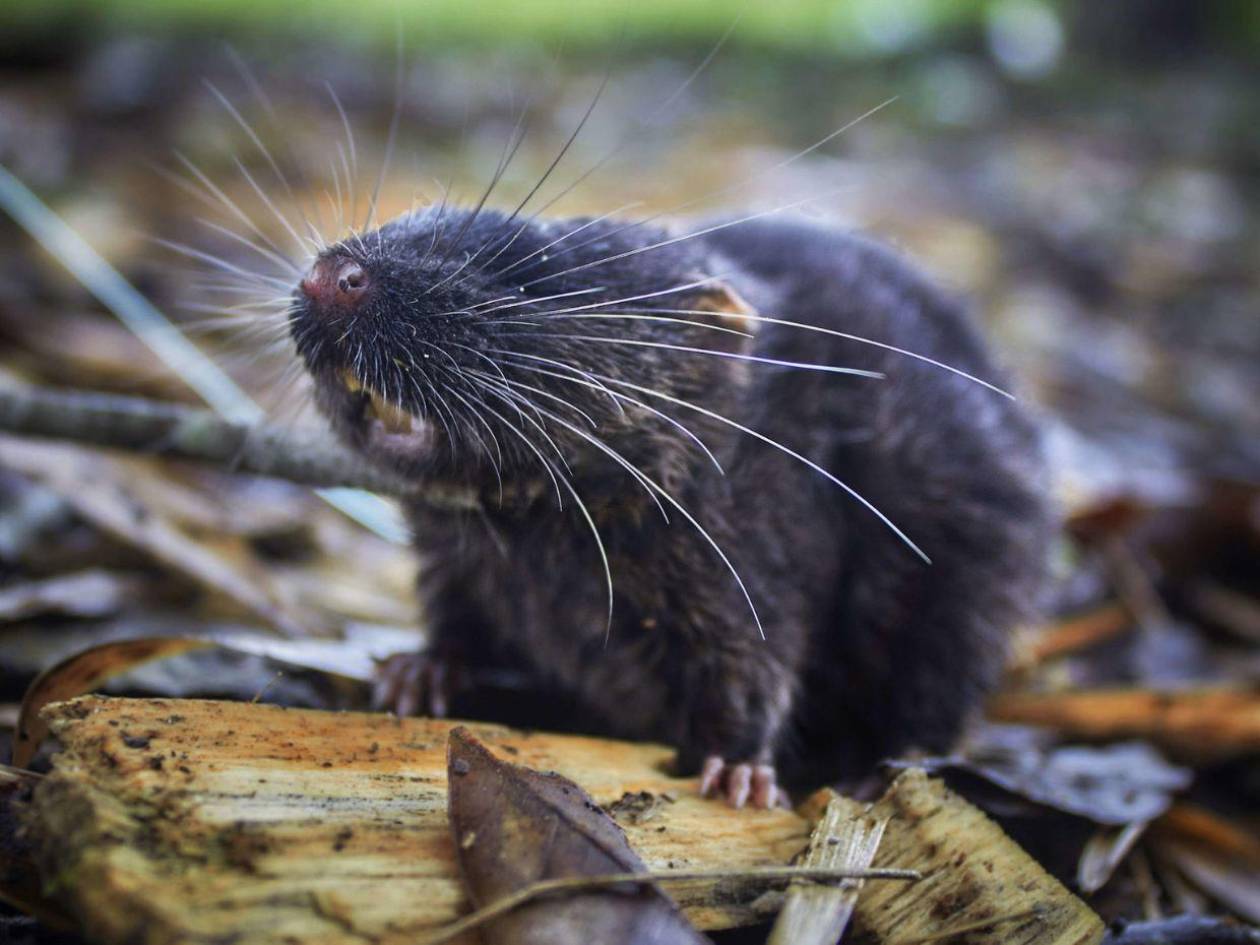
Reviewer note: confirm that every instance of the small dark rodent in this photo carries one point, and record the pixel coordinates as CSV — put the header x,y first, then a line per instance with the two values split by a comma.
x,y
581,363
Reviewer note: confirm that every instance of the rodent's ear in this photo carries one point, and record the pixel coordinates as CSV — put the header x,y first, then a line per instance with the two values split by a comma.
x,y
731,311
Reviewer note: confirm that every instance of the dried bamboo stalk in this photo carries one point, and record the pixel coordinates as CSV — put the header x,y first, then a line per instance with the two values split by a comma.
x,y
843,838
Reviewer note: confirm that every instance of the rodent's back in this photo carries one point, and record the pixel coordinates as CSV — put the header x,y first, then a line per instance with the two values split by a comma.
x,y
911,648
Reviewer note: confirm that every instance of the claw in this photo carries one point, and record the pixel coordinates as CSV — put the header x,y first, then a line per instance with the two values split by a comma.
x,y
408,683
711,775
765,792
740,783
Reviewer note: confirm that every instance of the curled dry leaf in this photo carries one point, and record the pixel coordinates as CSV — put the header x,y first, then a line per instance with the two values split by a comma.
x,y
1113,786
82,673
513,827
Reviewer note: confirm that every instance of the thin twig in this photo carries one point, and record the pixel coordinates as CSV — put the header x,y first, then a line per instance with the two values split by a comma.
x,y
165,339
575,884
311,456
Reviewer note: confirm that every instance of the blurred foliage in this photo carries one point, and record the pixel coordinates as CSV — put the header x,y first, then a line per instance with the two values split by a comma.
x,y
838,27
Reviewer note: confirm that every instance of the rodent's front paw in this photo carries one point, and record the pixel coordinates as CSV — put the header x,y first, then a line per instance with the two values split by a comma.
x,y
413,684
742,782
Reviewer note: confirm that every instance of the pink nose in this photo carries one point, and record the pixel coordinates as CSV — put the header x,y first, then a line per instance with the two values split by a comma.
x,y
334,282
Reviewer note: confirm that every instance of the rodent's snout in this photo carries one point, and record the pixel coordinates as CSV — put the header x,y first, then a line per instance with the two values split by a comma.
x,y
333,282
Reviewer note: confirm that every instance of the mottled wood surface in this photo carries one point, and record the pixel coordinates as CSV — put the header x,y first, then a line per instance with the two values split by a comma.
x,y
193,821
975,878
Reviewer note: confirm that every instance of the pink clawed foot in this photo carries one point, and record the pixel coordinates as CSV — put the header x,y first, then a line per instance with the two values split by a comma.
x,y
741,782
411,683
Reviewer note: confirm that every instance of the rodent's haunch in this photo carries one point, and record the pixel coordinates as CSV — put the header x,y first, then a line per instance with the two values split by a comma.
x,y
593,378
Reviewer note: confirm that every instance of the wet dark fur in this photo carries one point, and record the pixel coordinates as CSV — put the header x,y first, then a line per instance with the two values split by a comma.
x,y
868,650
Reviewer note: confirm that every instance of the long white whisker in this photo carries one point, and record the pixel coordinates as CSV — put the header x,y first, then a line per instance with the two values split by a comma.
x,y
582,509
670,290
304,243
536,319
612,395
538,390
627,137
547,174
217,192
664,493
282,262
531,301
661,244
630,400
573,232
526,440
779,446
391,136
732,355
744,182
634,471
496,464
804,326
222,264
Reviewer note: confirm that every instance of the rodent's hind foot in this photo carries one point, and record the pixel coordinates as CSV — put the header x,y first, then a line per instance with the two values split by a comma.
x,y
741,783
415,683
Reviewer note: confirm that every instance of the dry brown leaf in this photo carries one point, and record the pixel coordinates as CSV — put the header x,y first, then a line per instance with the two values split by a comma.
x,y
98,353
513,827
1111,785
82,673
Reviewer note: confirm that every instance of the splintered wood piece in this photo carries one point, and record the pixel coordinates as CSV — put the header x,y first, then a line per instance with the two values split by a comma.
x,y
513,827
975,878
1201,725
844,837
169,821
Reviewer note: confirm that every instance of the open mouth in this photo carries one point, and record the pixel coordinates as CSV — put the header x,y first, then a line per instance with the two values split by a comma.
x,y
393,418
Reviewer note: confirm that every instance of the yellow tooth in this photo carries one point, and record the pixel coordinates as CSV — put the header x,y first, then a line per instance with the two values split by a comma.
x,y
395,419
353,384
